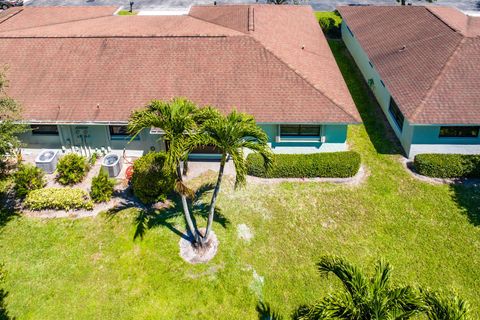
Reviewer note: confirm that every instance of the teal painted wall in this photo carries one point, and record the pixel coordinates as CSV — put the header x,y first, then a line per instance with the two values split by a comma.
x,y
93,136
335,139
430,134
98,136
378,88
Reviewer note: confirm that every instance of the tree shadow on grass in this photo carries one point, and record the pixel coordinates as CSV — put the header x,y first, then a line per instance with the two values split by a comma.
x,y
467,196
265,312
7,207
378,129
3,295
152,218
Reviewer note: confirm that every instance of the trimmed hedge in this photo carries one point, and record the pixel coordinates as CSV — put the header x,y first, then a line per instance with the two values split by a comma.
x,y
58,199
324,165
447,165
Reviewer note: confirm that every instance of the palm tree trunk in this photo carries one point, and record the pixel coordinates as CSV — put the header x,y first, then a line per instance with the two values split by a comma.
x,y
214,197
185,167
186,211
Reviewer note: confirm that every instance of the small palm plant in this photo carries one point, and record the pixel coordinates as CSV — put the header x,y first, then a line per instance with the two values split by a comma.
x,y
363,298
231,135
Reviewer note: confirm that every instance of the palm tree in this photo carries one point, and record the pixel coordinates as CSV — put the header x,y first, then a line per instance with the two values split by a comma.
x,y
363,298
442,306
231,135
176,119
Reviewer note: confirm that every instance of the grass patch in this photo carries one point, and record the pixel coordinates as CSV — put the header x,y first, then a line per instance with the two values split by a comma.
x,y
92,268
127,13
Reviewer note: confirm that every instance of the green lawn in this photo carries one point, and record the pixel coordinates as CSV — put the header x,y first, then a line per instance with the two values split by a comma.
x,y
92,268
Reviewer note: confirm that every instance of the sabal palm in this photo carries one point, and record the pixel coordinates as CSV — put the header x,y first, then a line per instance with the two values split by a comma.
x,y
231,135
176,119
363,298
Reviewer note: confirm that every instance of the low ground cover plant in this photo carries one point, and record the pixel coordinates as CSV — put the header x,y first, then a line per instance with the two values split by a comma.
x,y
150,182
28,178
71,169
448,165
102,187
58,199
325,165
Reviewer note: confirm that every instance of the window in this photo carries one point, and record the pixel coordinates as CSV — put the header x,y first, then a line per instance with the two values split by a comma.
x,y
301,130
459,132
396,113
351,33
44,129
120,133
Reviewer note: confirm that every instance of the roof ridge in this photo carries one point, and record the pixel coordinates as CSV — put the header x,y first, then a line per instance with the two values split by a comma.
x,y
217,24
303,78
56,24
435,83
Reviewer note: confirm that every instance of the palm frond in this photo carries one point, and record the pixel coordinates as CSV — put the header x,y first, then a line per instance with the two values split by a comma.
x,y
444,306
350,276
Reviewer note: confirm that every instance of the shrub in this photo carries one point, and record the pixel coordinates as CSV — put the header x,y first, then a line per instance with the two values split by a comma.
x,y
58,199
448,165
28,178
326,165
102,187
330,23
150,183
93,159
71,169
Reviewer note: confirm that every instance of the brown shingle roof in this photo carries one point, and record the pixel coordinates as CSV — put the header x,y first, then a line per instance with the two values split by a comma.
x,y
428,58
62,71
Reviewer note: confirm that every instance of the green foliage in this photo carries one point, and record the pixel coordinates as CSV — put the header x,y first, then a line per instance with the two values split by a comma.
x,y
71,169
9,130
232,134
93,159
363,297
102,187
58,199
330,23
28,178
448,165
444,306
150,181
326,165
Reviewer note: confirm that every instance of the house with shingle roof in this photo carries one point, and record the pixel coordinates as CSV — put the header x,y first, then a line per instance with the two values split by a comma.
x,y
80,72
423,65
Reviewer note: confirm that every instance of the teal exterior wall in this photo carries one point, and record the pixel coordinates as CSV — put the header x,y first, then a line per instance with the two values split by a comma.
x,y
415,139
98,137
92,137
335,136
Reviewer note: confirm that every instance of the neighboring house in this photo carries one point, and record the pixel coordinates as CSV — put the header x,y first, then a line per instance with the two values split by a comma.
x,y
80,71
423,65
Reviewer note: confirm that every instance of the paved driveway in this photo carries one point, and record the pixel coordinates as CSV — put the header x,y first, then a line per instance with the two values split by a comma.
x,y
164,4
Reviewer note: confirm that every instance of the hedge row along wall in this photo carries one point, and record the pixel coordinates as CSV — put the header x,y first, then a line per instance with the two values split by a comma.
x,y
323,165
448,165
